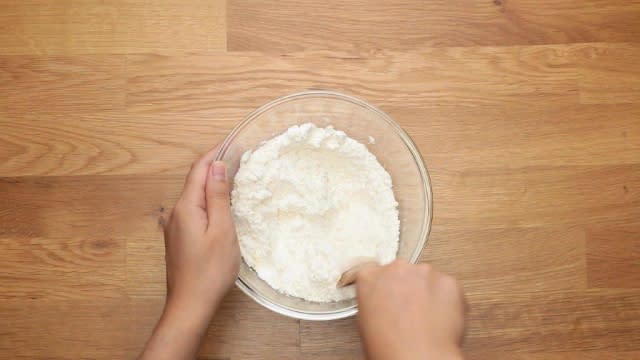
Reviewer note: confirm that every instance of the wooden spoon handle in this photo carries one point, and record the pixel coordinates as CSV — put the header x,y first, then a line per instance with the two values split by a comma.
x,y
349,277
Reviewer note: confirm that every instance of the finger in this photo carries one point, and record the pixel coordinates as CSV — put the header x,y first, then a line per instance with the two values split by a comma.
x,y
217,195
351,276
194,186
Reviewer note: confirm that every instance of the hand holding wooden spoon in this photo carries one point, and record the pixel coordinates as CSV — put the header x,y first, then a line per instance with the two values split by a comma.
x,y
408,311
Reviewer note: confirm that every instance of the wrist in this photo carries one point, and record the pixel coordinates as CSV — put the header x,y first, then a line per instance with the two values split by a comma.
x,y
189,315
445,353
387,349
178,332
193,301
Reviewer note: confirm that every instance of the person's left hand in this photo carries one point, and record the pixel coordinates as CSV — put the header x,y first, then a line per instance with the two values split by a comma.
x,y
203,258
202,252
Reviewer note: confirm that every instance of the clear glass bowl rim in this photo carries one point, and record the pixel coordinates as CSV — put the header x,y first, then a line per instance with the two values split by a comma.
x,y
408,142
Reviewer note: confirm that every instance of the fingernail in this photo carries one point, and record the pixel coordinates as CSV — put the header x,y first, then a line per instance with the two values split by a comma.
x,y
219,171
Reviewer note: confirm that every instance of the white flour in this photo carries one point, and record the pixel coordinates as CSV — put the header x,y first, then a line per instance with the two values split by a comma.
x,y
306,203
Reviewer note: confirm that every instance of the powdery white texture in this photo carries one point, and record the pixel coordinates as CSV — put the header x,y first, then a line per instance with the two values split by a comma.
x,y
306,204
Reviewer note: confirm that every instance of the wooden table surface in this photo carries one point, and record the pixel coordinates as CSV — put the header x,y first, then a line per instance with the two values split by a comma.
x,y
527,113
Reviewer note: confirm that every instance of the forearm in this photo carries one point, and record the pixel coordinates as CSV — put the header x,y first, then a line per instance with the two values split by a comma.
x,y
177,334
413,344
410,353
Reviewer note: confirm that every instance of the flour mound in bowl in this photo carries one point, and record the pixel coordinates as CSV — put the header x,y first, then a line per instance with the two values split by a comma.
x,y
306,204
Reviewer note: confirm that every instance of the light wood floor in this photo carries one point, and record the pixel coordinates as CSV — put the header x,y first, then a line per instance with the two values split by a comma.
x,y
527,113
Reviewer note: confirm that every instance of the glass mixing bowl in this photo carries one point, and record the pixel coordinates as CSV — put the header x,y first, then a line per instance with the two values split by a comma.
x,y
383,137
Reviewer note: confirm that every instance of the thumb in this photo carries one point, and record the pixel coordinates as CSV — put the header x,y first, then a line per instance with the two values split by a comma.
x,y
217,194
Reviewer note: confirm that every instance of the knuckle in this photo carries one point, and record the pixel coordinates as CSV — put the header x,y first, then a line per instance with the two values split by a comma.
x,y
221,191
426,268
424,272
451,284
398,264
199,162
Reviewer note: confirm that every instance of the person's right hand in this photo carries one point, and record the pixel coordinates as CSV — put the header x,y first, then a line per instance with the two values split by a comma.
x,y
409,312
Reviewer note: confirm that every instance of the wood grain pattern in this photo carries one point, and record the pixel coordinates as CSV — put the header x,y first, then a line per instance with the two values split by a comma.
x,y
613,250
466,77
603,83
85,206
554,321
586,355
69,27
90,328
112,143
318,339
539,196
513,89
526,112
107,143
541,259
97,84
62,268
293,25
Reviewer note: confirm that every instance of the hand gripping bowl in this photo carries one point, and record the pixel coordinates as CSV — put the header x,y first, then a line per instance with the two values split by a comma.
x,y
385,139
